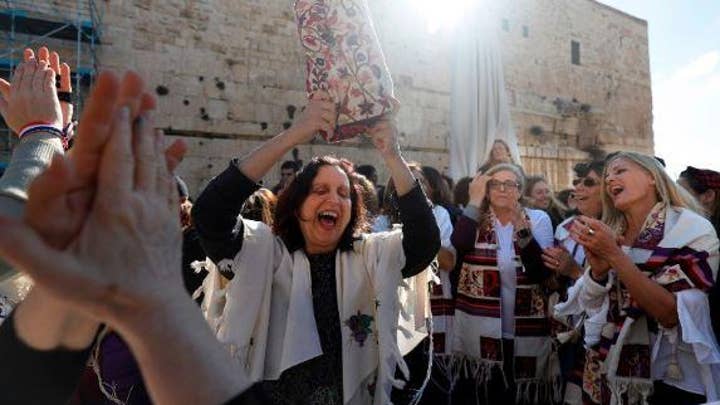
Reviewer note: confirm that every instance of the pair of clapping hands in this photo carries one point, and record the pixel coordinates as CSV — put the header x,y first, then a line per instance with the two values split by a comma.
x,y
100,230
601,244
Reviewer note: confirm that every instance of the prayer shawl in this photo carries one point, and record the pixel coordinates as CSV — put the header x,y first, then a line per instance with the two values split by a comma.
x,y
568,317
565,325
343,57
265,313
478,323
442,306
678,250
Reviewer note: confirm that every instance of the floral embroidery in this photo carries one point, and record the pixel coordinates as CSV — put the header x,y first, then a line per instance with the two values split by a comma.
x,y
653,229
343,56
360,326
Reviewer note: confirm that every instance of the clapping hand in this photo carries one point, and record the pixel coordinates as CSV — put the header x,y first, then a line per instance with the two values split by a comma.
x,y
110,242
30,96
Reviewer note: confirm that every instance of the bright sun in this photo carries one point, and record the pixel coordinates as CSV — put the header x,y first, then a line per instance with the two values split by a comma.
x,y
442,14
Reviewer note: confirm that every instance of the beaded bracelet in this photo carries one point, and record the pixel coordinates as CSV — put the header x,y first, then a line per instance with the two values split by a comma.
x,y
34,128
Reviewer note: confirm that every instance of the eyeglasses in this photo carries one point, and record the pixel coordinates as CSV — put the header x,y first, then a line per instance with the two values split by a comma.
x,y
587,182
502,185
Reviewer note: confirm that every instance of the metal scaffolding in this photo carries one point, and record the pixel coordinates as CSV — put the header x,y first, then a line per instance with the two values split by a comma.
x,y
71,26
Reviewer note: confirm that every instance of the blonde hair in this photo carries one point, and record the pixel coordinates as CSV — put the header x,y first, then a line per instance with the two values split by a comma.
x,y
666,190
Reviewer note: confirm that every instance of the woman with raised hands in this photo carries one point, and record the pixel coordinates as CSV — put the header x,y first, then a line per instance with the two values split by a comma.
x,y
651,260
312,305
100,237
501,325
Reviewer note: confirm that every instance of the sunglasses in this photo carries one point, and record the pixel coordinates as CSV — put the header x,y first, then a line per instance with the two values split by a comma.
x,y
507,185
587,182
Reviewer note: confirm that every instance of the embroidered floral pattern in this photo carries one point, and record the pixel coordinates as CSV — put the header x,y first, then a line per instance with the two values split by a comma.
x,y
592,378
653,229
343,56
479,282
360,326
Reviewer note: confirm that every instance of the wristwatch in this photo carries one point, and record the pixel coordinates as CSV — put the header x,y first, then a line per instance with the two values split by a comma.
x,y
523,233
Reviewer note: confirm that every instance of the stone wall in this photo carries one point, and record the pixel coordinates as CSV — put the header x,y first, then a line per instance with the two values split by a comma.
x,y
231,72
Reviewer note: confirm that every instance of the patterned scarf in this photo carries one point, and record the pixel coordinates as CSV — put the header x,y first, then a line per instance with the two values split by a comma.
x,y
624,345
478,322
343,57
442,306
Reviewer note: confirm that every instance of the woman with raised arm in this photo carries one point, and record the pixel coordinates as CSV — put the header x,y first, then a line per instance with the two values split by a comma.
x,y
501,325
651,260
83,215
312,305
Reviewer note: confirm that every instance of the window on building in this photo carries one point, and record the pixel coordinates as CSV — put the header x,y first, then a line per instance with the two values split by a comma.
x,y
506,25
526,31
575,52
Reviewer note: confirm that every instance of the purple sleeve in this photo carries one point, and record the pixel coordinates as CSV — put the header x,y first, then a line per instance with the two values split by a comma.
x,y
465,231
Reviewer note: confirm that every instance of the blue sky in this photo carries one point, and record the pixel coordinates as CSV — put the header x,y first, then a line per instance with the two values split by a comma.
x,y
685,66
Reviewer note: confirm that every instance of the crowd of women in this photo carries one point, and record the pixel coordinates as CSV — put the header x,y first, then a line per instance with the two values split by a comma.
x,y
338,290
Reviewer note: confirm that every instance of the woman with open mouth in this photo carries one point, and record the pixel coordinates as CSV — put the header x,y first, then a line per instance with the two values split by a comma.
x,y
312,306
651,261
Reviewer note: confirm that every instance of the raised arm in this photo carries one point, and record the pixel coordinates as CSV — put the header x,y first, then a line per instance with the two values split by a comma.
x,y
465,231
121,268
319,115
28,99
216,210
43,330
421,237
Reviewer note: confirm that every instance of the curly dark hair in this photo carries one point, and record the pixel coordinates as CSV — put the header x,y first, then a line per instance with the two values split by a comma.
x,y
286,224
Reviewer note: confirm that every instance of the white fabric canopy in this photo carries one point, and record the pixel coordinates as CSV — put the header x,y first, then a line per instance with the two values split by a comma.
x,y
479,111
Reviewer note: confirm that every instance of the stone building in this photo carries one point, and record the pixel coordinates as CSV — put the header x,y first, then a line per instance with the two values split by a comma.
x,y
229,74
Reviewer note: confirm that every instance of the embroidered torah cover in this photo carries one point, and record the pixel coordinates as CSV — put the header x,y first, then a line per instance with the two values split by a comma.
x,y
343,57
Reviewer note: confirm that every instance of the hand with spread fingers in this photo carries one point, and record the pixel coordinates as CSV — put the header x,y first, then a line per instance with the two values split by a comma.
x,y
30,98
63,81
134,207
57,209
122,265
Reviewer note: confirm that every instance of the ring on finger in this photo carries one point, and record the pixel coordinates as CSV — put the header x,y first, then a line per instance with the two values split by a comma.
x,y
590,231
